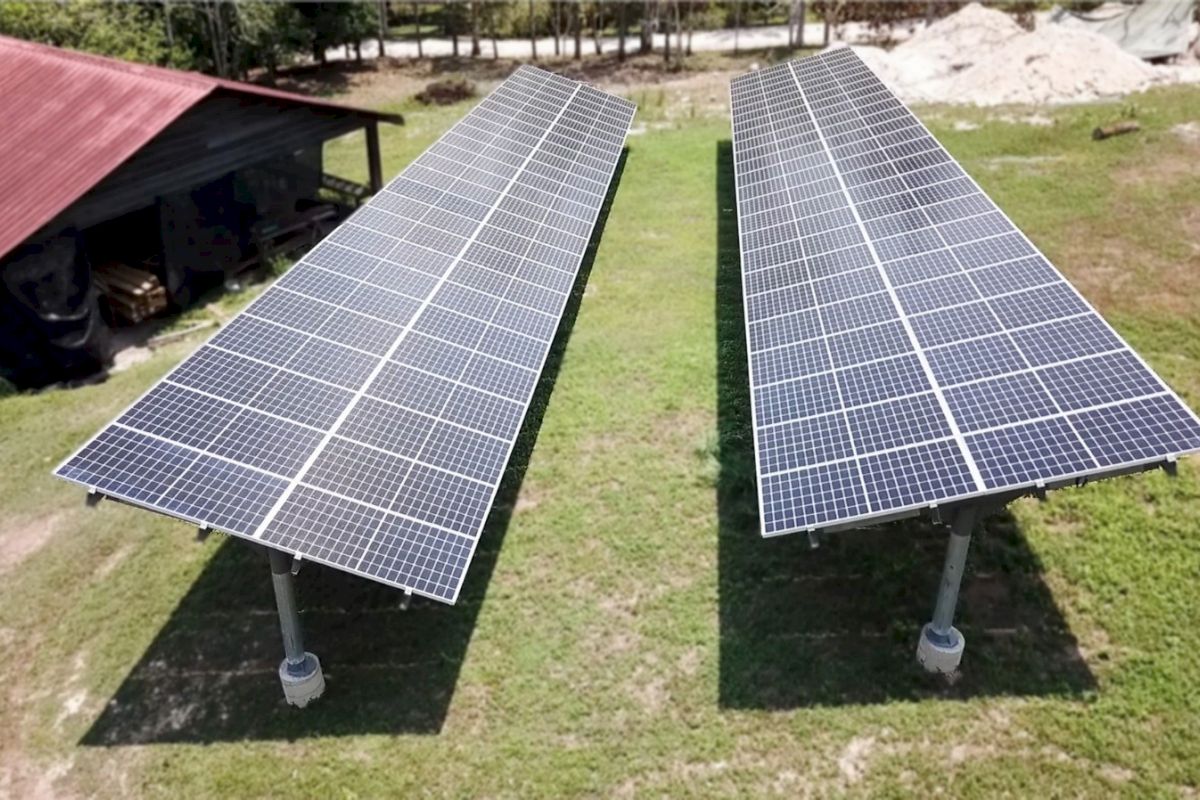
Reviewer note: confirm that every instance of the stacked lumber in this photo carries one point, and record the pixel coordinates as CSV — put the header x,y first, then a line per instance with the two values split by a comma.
x,y
133,293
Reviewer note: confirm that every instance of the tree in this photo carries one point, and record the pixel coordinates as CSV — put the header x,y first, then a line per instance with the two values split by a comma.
x,y
132,33
453,23
494,14
329,24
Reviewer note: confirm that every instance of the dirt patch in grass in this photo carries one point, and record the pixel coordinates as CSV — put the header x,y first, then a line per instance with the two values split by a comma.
x,y
1123,273
1029,163
18,542
1187,131
21,778
671,93
109,564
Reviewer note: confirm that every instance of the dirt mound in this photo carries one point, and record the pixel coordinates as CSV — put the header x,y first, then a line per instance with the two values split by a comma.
x,y
953,43
1052,65
980,56
446,92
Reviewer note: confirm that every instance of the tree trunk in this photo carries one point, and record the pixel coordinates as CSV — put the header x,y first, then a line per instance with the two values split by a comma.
x,y
557,26
382,28
737,24
417,13
358,52
622,30
532,32
578,21
678,34
213,13
689,28
646,44
666,37
493,35
791,25
473,9
597,21
800,22
828,21
170,32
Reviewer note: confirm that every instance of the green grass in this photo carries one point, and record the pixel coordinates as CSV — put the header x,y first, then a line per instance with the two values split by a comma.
x,y
623,630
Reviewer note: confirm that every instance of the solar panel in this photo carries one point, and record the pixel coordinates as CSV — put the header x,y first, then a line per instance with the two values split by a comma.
x,y
908,346
361,411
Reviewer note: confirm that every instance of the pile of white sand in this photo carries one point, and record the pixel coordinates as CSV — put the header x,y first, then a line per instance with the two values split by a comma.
x,y
1052,65
980,56
953,43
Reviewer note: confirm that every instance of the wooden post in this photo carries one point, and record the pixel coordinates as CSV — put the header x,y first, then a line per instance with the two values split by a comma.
x,y
374,163
1116,129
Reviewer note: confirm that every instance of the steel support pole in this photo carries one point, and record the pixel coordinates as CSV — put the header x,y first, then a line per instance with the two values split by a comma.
x,y
300,671
941,646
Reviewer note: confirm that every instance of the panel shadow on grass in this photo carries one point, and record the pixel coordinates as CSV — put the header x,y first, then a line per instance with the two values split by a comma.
x,y
839,625
209,675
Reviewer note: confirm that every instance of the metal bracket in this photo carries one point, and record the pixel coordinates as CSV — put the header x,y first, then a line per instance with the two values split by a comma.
x,y
296,563
202,532
93,498
1171,466
1039,491
814,539
406,600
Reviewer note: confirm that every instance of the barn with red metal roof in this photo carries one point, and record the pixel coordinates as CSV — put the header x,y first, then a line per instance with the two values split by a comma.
x,y
128,189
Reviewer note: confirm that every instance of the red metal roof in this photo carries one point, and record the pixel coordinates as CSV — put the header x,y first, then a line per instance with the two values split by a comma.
x,y
71,118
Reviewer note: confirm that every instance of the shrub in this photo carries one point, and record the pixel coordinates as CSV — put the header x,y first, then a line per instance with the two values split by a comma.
x,y
446,92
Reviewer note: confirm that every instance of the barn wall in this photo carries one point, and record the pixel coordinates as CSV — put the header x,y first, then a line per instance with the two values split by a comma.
x,y
221,134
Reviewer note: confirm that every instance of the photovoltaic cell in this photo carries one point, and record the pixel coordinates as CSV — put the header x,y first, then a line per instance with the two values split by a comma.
x,y
908,346
360,413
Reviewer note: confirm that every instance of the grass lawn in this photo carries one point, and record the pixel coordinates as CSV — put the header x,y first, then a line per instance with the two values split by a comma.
x,y
624,631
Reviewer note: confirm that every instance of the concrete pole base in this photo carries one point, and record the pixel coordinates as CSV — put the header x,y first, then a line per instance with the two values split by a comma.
x,y
302,686
940,654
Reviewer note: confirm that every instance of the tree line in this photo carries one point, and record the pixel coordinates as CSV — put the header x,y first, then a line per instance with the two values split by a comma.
x,y
236,39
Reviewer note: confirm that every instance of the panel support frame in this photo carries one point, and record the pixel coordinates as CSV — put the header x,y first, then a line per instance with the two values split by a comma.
x,y
300,671
941,645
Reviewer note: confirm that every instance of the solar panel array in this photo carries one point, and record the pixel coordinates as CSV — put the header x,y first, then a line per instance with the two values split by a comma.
x,y
361,412
908,346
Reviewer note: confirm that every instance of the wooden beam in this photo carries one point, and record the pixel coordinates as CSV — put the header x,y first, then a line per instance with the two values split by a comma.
x,y
374,163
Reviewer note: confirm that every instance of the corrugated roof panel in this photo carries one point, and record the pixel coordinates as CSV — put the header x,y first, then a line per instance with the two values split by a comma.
x,y
69,119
